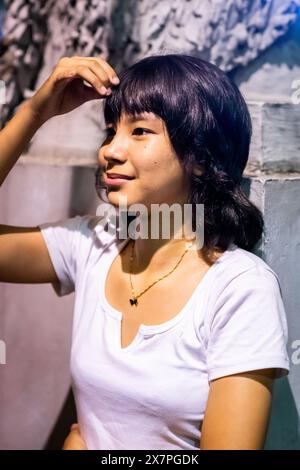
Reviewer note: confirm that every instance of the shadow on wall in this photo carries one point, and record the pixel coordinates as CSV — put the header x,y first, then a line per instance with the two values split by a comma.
x,y
283,433
61,429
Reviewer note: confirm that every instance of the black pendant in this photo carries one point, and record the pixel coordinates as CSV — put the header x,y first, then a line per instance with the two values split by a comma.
x,y
133,301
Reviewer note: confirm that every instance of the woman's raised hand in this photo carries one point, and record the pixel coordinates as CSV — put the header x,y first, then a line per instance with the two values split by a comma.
x,y
64,90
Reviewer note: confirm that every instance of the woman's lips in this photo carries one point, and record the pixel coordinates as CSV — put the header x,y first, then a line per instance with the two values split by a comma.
x,y
116,181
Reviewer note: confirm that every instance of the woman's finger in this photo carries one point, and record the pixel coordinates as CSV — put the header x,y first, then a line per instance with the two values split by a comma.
x,y
88,75
100,62
97,69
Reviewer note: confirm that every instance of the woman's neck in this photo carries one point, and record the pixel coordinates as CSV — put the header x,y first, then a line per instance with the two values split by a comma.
x,y
156,252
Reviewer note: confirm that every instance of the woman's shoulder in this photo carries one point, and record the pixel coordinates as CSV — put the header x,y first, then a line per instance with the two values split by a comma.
x,y
245,325
239,273
235,261
95,229
83,234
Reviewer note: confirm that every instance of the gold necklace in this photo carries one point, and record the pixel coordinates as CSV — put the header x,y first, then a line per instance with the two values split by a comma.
x,y
133,300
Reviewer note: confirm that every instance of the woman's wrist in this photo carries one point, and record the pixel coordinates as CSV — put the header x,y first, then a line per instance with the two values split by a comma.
x,y
32,116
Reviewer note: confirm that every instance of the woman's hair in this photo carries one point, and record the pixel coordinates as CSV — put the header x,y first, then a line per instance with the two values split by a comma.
x,y
209,126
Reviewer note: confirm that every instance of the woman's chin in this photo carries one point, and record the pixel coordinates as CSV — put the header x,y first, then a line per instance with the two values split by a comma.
x,y
118,198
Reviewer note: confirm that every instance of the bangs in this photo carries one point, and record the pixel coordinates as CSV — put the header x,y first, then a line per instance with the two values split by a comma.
x,y
151,85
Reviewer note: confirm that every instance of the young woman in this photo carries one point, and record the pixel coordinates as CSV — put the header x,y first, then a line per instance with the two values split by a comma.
x,y
173,347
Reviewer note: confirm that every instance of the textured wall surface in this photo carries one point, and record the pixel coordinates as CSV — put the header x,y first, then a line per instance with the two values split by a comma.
x,y
37,32
275,145
272,74
230,33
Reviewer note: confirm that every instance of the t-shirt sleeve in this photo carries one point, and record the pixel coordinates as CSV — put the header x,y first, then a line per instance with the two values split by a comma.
x,y
247,328
62,239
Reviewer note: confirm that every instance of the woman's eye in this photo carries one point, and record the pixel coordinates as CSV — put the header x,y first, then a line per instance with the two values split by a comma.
x,y
141,129
109,131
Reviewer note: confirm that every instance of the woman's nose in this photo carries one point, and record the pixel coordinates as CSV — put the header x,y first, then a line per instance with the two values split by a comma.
x,y
107,156
115,150
114,155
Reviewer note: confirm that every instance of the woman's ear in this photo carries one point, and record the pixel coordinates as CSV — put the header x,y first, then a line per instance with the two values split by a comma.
x,y
197,170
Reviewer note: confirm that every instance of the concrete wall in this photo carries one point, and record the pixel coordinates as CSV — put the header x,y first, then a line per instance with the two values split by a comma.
x,y
278,197
271,75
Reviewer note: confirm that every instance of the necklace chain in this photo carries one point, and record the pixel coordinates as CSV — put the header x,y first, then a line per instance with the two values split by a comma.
x,y
133,300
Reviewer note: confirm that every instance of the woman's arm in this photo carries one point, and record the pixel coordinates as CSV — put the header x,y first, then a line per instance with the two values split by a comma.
x,y
237,412
24,255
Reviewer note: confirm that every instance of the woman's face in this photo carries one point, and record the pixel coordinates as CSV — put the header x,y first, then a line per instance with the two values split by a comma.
x,y
140,148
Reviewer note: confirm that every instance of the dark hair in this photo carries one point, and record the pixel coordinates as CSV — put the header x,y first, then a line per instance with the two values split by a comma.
x,y
209,126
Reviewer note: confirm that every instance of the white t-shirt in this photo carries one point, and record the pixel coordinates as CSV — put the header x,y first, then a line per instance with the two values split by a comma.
x,y
152,394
